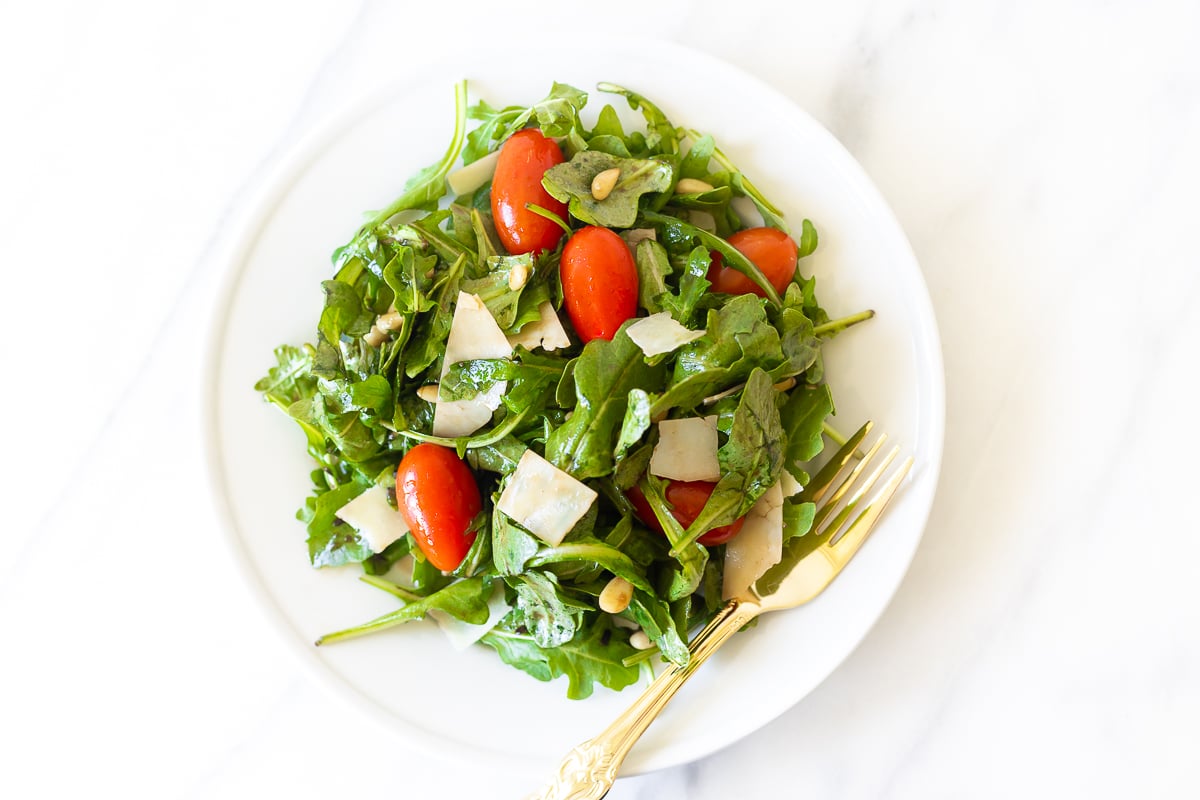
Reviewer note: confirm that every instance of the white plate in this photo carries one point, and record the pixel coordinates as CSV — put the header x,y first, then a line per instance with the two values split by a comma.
x,y
470,704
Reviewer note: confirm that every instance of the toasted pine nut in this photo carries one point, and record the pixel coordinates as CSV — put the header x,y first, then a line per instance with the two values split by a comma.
x,y
785,384
640,641
375,336
518,276
428,393
603,183
390,321
692,186
616,595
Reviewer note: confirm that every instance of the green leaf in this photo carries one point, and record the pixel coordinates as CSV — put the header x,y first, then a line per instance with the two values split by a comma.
x,y
571,183
635,424
512,546
495,290
291,379
595,655
557,115
662,136
808,239
738,338
675,229
541,610
332,542
693,286
465,599
750,459
682,580
654,618
797,518
653,267
803,417
343,312
593,551
604,374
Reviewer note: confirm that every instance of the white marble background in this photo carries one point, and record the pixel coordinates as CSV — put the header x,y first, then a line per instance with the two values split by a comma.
x,y
1044,160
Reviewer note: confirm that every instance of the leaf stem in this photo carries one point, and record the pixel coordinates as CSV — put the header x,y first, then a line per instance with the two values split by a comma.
x,y
838,325
550,215
391,587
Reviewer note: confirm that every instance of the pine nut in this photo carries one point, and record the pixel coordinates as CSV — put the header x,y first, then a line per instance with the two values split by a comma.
x,y
390,321
640,641
616,595
603,183
375,336
518,276
428,393
692,186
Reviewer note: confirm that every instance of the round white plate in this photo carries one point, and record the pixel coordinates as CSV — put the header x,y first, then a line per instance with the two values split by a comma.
x,y
470,706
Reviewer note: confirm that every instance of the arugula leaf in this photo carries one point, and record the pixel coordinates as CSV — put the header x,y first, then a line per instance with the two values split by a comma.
x,y
662,136
541,610
512,546
673,228
693,286
738,338
803,417
595,655
343,312
684,579
466,599
291,379
654,618
635,424
571,183
798,518
557,115
604,374
808,239
592,550
653,267
332,542
495,289
750,460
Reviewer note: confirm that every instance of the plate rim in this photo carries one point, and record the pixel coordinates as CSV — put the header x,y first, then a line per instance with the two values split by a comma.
x,y
270,192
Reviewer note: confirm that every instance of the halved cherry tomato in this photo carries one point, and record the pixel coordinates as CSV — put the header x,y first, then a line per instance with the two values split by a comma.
x,y
600,282
523,160
771,250
687,499
438,497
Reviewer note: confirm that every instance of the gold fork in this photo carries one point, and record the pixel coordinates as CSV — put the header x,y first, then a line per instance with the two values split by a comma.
x,y
810,564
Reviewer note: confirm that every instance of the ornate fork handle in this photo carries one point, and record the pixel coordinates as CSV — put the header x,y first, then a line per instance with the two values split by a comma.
x,y
588,771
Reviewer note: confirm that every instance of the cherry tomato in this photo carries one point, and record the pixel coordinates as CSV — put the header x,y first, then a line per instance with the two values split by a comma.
x,y
771,250
523,160
437,495
687,498
600,282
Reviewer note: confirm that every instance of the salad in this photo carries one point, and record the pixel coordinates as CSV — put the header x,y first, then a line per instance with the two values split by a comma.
x,y
564,390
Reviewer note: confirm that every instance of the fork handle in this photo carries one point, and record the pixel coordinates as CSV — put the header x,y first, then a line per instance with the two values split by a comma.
x,y
588,771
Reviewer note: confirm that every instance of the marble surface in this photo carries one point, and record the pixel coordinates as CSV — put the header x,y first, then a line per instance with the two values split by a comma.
x,y
1042,159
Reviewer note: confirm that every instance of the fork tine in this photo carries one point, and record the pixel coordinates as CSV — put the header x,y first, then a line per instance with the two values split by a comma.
x,y
845,547
831,504
830,530
825,477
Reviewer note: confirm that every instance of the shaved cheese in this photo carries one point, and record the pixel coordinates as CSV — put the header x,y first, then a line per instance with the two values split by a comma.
x,y
377,523
463,634
788,484
660,333
473,175
543,499
635,235
473,334
547,333
686,450
757,547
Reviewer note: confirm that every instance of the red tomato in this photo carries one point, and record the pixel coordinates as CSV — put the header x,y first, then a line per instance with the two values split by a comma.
x,y
437,495
687,498
771,250
523,160
600,282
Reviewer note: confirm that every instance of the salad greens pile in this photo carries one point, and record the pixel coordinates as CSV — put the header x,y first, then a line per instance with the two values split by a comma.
x,y
590,410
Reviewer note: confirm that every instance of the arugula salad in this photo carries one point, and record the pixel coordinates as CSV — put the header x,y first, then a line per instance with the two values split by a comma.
x,y
564,390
